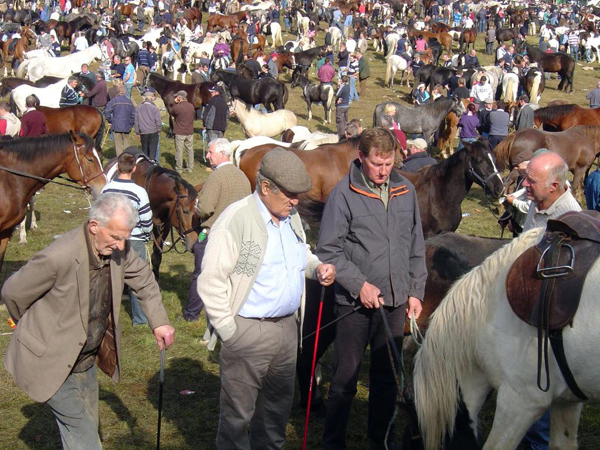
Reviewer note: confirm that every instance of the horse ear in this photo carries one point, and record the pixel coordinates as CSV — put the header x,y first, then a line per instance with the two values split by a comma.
x,y
73,136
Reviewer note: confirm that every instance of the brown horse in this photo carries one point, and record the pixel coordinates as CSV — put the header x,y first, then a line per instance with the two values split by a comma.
x,y
127,10
192,16
563,117
440,27
240,46
37,161
560,63
79,118
578,146
444,39
17,47
226,22
467,37
173,203
440,188
447,131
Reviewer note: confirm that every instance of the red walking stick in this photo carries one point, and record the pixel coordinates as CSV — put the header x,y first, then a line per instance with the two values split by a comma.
x,y
312,372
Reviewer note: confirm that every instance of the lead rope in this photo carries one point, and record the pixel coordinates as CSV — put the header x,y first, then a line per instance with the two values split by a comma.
x,y
415,332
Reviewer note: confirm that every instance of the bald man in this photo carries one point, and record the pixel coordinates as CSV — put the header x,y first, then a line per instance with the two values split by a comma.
x,y
546,186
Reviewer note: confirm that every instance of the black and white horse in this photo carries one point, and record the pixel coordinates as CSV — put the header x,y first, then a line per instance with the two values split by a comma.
x,y
314,93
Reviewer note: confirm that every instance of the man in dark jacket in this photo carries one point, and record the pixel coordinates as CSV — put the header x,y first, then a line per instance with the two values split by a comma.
x,y
484,117
183,127
144,61
498,125
342,103
120,113
525,116
418,156
215,116
376,268
99,93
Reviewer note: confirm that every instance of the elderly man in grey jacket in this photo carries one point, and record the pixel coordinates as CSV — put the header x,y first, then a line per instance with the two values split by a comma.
x,y
371,232
148,125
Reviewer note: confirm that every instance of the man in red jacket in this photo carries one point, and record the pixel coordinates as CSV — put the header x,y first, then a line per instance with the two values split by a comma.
x,y
33,122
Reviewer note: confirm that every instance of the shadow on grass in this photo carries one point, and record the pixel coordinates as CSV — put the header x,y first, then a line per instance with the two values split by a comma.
x,y
41,431
178,281
195,415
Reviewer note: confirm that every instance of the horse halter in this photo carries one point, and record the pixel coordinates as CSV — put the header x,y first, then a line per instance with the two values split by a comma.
x,y
182,233
479,179
76,157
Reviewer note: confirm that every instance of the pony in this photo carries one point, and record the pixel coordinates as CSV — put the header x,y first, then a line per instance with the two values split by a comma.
x,y
448,130
467,37
17,48
563,117
226,22
336,38
275,31
175,67
578,146
533,84
424,119
510,86
395,63
48,96
271,93
255,123
476,344
64,65
40,160
315,93
506,34
391,43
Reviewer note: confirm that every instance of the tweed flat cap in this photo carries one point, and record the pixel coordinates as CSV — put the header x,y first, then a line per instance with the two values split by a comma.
x,y
181,94
286,170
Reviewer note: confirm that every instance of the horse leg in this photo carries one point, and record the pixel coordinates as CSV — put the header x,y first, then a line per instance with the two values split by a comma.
x,y
564,420
159,239
4,238
22,231
309,107
33,225
516,410
578,184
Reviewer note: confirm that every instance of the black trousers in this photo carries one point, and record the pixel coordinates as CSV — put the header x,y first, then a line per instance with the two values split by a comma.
x,y
353,334
149,145
494,140
195,304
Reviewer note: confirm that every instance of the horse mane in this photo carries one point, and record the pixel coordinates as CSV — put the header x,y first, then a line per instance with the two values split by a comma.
x,y
32,149
444,167
157,170
439,105
550,113
442,363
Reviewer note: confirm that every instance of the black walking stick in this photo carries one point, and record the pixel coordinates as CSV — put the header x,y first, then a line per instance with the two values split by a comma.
x,y
161,379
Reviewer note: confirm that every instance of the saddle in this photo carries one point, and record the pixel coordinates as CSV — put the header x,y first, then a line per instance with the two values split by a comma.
x,y
544,284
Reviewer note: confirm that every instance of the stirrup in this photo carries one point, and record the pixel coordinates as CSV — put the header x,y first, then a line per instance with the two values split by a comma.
x,y
557,271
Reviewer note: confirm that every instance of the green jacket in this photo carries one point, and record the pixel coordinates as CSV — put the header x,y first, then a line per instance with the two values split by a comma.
x,y
364,71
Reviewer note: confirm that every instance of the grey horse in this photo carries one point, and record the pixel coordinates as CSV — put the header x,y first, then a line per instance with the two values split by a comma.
x,y
422,119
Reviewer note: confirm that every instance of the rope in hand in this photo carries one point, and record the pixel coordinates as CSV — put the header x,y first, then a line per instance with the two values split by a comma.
x,y
415,332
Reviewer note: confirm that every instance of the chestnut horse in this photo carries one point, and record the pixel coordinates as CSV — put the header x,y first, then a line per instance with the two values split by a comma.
x,y
127,10
443,38
240,46
578,146
17,47
173,203
226,22
467,37
440,188
563,117
28,164
192,16
79,118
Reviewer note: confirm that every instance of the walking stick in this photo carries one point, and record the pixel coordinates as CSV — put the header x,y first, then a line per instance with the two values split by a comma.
x,y
161,379
312,372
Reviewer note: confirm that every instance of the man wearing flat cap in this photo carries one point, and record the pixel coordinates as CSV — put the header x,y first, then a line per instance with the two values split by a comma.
x,y
183,113
215,115
371,232
252,284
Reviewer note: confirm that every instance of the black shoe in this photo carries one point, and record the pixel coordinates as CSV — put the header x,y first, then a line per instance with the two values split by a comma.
x,y
190,319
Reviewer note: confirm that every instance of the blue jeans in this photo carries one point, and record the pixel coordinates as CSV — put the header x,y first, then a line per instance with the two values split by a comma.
x,y
482,26
75,407
538,435
137,315
460,142
575,52
353,91
128,88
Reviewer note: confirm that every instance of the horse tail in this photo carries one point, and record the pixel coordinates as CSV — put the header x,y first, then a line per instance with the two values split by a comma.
x,y
286,94
13,104
535,87
442,364
22,69
502,151
388,70
330,95
510,93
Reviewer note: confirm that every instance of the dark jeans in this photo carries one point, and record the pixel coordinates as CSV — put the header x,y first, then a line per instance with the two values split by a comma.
x,y
150,145
494,140
341,119
195,304
353,334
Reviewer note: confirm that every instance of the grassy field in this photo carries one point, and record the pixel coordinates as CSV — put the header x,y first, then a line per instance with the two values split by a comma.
x,y
128,410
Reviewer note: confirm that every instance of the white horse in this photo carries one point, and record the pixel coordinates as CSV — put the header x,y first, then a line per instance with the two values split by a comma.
x,y
152,36
238,147
174,67
302,24
256,123
475,344
49,96
195,50
395,63
391,41
534,95
510,87
257,6
311,140
59,67
276,34
594,43
39,53
336,38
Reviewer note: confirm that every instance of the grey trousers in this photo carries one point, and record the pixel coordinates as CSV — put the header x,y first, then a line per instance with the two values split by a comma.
x,y
257,369
75,407
182,141
211,135
121,142
137,315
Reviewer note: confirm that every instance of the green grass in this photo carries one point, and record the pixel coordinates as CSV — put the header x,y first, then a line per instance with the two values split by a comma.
x,y
128,410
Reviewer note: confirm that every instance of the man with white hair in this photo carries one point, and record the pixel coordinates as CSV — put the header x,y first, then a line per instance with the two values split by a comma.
x,y
66,302
225,185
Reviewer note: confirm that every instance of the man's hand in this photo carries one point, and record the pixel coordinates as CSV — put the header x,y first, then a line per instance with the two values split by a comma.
x,y
165,335
369,296
326,274
414,307
510,199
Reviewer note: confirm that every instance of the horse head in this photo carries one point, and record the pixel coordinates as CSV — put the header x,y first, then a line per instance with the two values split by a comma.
x,y
482,168
85,167
458,107
295,76
185,208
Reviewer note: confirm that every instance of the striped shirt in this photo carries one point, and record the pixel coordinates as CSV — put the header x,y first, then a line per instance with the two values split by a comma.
x,y
139,198
537,218
68,97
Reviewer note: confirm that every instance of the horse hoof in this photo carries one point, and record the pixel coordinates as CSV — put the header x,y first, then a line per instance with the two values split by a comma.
x,y
22,241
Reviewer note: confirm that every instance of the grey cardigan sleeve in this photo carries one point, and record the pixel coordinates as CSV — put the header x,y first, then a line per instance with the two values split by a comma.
x,y
335,226
417,269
